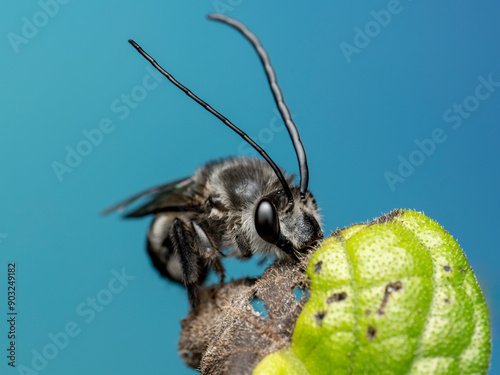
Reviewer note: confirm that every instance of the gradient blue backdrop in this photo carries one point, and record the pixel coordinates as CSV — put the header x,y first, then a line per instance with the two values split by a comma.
x,y
356,119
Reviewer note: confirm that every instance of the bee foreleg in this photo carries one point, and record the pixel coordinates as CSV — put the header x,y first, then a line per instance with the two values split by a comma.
x,y
208,251
245,251
183,244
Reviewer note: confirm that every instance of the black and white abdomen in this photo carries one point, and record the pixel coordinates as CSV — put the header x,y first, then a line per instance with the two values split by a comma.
x,y
163,256
164,253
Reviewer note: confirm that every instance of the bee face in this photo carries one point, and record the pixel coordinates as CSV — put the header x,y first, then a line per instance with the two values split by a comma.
x,y
292,228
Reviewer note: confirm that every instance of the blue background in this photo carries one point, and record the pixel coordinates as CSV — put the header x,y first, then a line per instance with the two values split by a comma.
x,y
356,119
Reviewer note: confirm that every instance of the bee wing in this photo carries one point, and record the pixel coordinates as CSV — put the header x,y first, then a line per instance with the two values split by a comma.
x,y
176,194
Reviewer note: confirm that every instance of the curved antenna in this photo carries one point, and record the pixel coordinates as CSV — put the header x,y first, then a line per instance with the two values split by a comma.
x,y
278,96
205,105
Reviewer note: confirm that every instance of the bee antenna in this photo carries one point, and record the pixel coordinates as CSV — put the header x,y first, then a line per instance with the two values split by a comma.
x,y
278,96
205,105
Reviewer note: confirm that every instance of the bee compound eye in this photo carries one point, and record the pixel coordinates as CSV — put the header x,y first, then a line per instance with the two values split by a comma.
x,y
267,222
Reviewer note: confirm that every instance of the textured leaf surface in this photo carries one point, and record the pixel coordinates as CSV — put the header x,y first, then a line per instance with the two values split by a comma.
x,y
395,296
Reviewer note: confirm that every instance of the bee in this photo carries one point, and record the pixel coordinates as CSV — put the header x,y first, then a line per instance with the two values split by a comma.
x,y
237,206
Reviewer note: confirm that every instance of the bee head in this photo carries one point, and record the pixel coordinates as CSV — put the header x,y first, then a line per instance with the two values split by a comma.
x,y
292,228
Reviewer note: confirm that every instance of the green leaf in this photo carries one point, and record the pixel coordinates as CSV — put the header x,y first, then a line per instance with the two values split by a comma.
x,y
395,296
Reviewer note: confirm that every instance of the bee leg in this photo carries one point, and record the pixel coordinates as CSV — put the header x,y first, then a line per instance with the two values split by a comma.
x,y
244,248
183,242
208,251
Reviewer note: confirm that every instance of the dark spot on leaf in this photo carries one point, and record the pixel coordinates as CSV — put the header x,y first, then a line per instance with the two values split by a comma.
x,y
462,270
447,300
389,289
319,317
317,266
370,333
447,268
398,285
368,312
337,297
